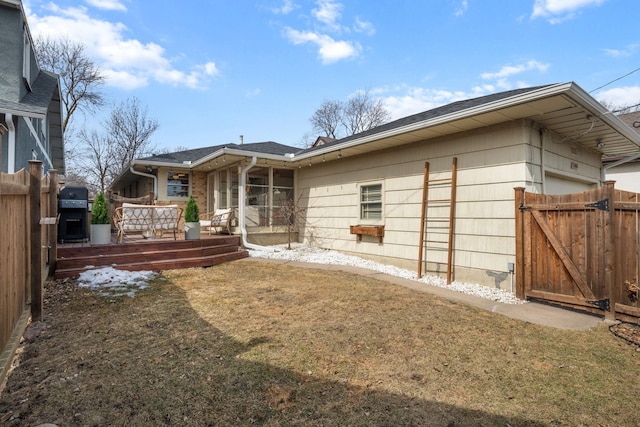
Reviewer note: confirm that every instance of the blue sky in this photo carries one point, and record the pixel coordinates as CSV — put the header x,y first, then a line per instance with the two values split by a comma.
x,y
211,70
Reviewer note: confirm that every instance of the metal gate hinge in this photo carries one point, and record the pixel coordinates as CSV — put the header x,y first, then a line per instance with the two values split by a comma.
x,y
602,205
602,304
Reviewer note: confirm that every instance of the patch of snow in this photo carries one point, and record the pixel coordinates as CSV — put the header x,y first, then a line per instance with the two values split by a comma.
x,y
110,282
303,253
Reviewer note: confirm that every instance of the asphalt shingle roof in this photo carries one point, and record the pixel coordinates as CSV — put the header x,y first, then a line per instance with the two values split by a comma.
x,y
430,114
195,154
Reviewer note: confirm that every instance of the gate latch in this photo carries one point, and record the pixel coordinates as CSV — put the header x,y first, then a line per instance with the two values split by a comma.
x,y
602,304
602,205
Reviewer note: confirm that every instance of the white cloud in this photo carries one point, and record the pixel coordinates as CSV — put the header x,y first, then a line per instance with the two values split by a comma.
x,y
107,4
127,63
462,8
627,51
328,15
620,96
511,70
366,27
557,11
407,100
328,12
329,50
287,7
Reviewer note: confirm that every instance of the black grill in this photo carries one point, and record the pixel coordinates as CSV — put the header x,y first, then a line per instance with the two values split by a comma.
x,y
73,206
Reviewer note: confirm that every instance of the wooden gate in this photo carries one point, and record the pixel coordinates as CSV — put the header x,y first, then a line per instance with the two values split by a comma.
x,y
580,250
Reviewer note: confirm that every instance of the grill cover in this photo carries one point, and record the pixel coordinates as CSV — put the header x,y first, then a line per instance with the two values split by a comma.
x,y
74,193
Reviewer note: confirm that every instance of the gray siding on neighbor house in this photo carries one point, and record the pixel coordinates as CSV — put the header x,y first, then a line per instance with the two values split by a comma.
x,y
25,143
11,41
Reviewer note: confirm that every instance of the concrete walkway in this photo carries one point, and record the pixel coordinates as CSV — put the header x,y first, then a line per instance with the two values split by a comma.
x,y
532,312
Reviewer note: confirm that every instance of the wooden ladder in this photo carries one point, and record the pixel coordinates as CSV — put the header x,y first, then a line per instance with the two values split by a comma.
x,y
437,222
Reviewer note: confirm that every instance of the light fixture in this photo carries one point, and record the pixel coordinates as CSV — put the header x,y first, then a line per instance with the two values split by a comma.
x,y
339,154
323,159
599,144
224,158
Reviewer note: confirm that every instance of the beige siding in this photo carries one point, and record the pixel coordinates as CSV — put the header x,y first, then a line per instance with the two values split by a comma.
x,y
491,163
626,176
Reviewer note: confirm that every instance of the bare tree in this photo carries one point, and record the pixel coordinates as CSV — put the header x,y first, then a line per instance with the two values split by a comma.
x,y
293,214
129,131
97,160
358,114
327,118
361,113
80,78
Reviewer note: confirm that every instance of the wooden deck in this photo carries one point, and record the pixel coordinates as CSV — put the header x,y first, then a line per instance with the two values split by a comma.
x,y
137,253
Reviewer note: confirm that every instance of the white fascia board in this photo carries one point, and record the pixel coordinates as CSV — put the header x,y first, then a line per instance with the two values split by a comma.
x,y
241,153
160,164
582,97
462,114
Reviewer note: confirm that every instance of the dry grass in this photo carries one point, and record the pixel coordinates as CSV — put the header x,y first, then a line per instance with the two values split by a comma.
x,y
254,343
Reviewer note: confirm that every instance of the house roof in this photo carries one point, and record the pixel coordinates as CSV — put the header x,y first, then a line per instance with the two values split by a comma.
x,y
199,154
564,109
43,101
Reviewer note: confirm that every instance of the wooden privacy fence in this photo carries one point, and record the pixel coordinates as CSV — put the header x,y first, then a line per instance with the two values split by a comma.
x,y
28,239
580,250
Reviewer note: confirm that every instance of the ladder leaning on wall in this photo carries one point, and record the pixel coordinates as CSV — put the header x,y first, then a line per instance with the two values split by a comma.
x,y
432,226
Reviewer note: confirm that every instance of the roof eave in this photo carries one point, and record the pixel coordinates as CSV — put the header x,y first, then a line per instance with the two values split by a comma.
x,y
445,118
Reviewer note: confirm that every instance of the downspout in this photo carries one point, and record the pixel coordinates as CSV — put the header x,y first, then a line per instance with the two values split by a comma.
x,y
148,175
11,144
242,196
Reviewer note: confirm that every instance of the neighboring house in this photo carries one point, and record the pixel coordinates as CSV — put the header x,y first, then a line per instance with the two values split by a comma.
x,y
547,139
625,170
30,102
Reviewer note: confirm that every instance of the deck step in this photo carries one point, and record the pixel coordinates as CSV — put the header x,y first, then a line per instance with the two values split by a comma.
x,y
149,255
142,256
158,265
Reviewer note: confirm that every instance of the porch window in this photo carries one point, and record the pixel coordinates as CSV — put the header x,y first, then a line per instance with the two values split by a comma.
x,y
371,201
282,194
177,184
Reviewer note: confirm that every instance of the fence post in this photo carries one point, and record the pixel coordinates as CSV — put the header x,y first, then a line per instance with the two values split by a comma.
x,y
53,212
35,187
610,255
519,273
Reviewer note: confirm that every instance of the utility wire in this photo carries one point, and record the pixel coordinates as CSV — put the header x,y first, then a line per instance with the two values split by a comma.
x,y
613,81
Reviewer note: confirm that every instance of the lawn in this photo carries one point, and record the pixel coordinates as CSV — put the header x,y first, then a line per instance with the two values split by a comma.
x,y
252,343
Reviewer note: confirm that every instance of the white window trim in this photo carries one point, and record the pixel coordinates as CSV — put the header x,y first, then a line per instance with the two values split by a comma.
x,y
376,221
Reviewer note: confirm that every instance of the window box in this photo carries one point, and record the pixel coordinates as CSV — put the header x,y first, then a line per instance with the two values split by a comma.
x,y
368,230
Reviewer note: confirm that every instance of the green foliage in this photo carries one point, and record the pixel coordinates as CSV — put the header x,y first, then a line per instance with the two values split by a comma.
x,y
191,212
100,211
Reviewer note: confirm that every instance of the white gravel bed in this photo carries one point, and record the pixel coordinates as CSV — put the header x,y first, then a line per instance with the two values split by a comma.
x,y
304,253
